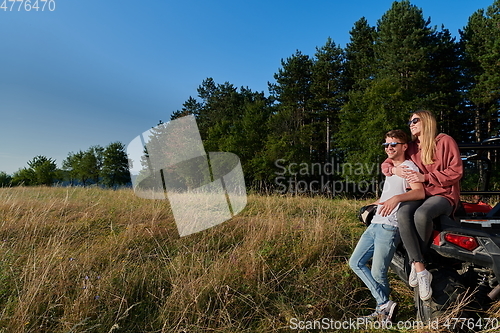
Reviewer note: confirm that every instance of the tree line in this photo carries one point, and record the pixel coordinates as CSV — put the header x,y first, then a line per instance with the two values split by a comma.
x,y
332,109
325,115
104,166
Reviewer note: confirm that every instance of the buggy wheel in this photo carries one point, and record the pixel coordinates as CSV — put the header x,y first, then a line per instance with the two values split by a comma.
x,y
446,290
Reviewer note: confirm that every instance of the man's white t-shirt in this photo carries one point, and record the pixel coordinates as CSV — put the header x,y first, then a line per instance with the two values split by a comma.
x,y
393,185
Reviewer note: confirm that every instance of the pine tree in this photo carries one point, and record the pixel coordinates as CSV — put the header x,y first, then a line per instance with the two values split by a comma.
x,y
414,67
190,107
446,79
403,48
360,57
481,42
290,125
231,120
328,89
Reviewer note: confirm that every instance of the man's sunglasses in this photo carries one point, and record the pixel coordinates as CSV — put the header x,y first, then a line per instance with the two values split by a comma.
x,y
392,144
413,121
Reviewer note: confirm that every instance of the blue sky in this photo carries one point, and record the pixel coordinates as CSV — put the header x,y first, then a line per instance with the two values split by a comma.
x,y
94,72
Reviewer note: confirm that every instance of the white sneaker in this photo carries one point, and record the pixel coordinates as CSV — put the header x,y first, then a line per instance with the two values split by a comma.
x,y
389,311
424,285
412,279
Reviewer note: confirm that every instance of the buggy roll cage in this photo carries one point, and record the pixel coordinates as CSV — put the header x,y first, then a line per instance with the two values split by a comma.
x,y
480,148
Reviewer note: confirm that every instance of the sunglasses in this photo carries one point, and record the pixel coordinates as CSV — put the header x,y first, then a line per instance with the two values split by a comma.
x,y
413,121
392,144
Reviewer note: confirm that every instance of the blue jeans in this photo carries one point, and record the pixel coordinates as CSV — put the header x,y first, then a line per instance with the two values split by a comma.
x,y
378,242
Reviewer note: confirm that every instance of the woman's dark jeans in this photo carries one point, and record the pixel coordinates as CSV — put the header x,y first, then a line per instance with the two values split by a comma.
x,y
415,223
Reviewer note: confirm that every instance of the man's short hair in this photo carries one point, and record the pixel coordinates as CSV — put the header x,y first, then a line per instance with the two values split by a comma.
x,y
397,134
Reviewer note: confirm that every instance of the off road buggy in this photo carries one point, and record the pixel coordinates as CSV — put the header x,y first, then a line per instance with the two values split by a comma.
x,y
464,254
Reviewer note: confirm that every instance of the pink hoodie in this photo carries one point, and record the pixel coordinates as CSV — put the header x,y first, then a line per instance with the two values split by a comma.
x,y
442,177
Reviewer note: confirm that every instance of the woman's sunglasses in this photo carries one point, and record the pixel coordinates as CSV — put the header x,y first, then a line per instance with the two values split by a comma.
x,y
413,121
392,144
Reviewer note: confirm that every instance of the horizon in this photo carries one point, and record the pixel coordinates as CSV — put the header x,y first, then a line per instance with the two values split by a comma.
x,y
92,73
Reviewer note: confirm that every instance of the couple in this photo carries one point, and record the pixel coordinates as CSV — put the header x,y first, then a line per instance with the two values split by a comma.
x,y
431,167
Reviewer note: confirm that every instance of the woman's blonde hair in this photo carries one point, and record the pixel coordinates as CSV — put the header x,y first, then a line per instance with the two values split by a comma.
x,y
427,136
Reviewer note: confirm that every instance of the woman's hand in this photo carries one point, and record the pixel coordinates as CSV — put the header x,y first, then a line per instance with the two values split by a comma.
x,y
413,176
399,170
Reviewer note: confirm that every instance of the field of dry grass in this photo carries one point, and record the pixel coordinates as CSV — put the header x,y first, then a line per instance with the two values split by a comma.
x,y
93,260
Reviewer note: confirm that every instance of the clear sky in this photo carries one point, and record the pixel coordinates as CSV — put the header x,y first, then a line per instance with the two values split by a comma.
x,y
94,72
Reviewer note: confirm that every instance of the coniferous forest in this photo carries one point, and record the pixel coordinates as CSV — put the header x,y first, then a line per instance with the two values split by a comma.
x,y
319,128
326,114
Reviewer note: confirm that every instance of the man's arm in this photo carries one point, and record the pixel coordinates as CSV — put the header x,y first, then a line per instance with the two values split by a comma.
x,y
416,193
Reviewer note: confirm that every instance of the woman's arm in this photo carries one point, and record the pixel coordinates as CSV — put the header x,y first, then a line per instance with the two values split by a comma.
x,y
451,172
386,167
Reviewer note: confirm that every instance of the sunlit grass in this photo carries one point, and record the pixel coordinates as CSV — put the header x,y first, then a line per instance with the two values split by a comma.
x,y
93,260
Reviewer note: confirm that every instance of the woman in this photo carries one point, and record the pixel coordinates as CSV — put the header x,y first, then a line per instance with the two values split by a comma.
x,y
438,158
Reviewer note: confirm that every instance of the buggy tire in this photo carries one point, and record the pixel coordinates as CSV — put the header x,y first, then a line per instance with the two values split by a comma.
x,y
446,290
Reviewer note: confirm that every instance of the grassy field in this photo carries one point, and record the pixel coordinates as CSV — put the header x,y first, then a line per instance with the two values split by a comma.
x,y
93,260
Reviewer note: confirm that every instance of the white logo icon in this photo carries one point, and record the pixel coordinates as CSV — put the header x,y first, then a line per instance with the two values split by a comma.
x,y
170,161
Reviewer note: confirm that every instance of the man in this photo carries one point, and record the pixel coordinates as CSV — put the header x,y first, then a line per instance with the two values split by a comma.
x,y
380,239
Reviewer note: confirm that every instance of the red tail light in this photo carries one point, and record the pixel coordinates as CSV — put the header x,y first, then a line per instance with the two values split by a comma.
x,y
466,242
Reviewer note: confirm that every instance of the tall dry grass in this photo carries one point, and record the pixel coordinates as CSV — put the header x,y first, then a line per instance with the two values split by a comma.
x,y
93,260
